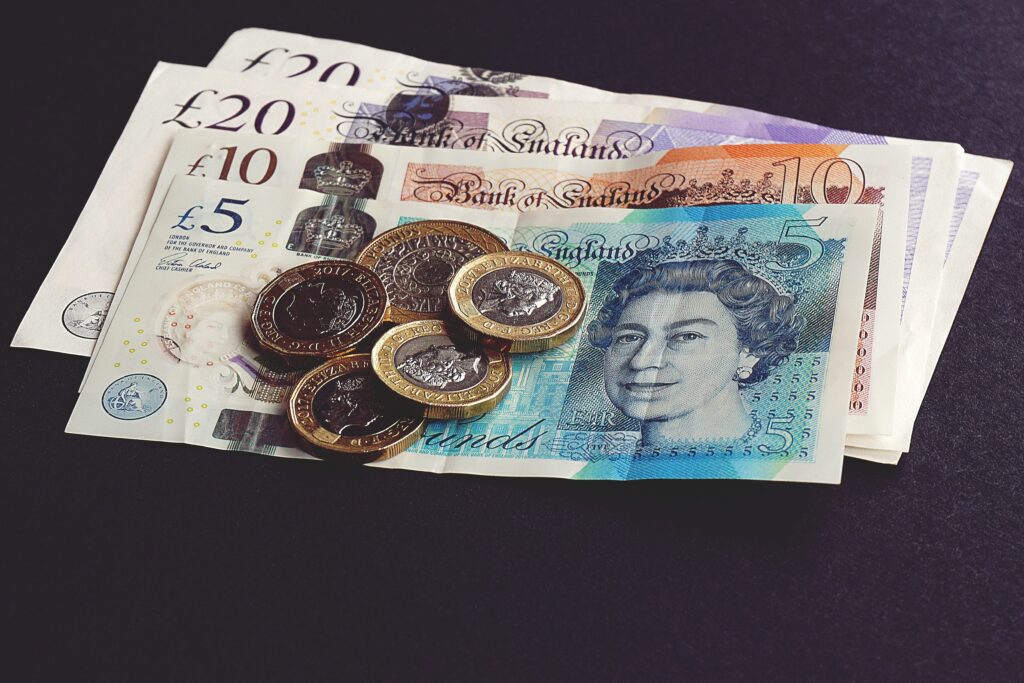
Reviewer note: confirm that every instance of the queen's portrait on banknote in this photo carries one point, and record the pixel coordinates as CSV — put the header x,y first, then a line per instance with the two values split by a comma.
x,y
682,339
203,326
709,351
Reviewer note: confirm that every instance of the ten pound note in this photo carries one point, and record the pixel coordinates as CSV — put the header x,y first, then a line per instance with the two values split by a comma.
x,y
718,343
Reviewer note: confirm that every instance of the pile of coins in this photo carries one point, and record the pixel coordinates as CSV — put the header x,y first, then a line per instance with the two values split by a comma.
x,y
422,325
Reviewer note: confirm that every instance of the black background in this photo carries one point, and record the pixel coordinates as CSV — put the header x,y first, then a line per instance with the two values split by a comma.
x,y
141,561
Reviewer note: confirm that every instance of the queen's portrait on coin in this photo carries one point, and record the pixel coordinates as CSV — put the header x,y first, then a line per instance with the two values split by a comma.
x,y
514,295
349,407
681,339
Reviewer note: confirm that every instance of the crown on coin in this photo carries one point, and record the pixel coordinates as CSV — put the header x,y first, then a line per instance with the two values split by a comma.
x,y
334,232
346,178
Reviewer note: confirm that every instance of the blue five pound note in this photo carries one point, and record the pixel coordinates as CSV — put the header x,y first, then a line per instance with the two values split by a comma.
x,y
704,351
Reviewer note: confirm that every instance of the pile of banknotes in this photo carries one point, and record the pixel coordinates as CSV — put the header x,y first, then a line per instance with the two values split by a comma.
x,y
764,296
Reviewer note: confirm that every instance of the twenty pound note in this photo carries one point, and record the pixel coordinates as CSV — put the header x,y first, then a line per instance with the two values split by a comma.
x,y
718,343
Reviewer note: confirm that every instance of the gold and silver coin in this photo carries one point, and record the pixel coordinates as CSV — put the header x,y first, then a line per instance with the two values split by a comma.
x,y
417,261
449,376
342,410
319,310
517,301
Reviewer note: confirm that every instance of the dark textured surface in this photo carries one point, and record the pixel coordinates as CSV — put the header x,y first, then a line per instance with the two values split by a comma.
x,y
139,561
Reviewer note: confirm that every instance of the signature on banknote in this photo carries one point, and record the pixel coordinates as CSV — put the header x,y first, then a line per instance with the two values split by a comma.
x,y
181,260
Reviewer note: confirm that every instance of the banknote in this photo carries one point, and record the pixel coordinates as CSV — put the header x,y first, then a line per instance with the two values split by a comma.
x,y
980,187
690,177
718,343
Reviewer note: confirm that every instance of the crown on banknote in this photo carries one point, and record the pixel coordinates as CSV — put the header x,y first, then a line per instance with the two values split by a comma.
x,y
346,178
333,232
764,259
727,190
